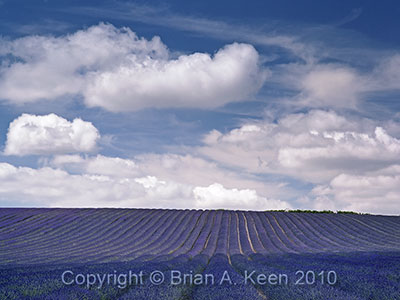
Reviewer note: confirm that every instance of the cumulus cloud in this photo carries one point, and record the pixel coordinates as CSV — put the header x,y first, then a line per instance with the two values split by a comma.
x,y
196,80
58,188
314,146
102,181
49,134
337,85
197,171
216,196
331,86
115,69
362,193
353,163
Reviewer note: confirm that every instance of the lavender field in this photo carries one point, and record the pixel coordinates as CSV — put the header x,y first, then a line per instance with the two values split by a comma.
x,y
314,255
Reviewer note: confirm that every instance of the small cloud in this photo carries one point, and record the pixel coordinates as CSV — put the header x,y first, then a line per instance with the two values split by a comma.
x,y
331,86
353,15
216,196
370,192
49,134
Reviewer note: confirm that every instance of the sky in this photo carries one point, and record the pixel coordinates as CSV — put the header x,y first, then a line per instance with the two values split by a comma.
x,y
244,105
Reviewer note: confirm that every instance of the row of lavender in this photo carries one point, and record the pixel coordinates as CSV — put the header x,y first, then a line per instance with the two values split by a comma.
x,y
105,235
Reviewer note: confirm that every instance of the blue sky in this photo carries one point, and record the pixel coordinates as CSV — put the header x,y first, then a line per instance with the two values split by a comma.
x,y
240,104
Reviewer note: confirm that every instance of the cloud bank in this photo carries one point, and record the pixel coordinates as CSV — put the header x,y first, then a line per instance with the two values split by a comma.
x,y
100,181
314,146
352,162
116,70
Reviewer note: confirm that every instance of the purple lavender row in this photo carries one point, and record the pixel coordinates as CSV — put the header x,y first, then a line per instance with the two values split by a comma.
x,y
381,224
53,251
234,242
270,245
222,242
275,234
95,250
173,235
135,241
320,232
181,235
290,231
60,245
43,240
124,242
347,229
348,234
326,228
325,231
245,241
47,223
371,236
56,238
102,241
308,235
282,233
253,234
162,235
211,243
16,217
193,236
296,234
104,251
122,239
199,243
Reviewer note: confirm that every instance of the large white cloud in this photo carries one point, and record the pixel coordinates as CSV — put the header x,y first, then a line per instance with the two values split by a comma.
x,y
353,162
314,146
49,134
114,69
101,181
197,171
186,169
50,187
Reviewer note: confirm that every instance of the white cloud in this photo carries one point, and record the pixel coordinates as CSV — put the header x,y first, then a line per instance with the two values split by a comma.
x,y
331,86
206,27
49,67
216,196
114,69
314,146
353,162
112,166
196,171
114,182
335,85
187,170
388,73
49,134
196,80
362,193
58,188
